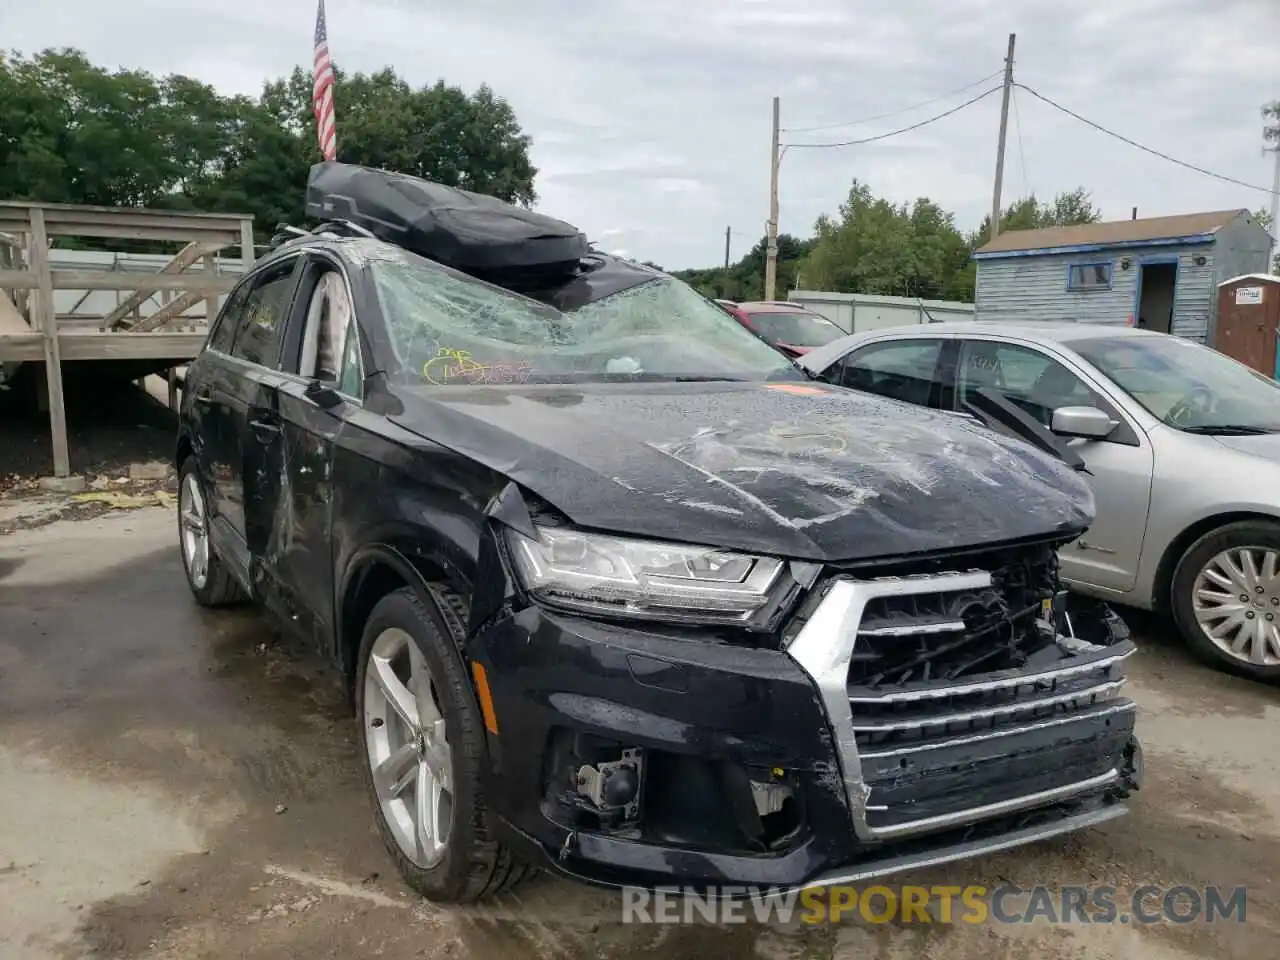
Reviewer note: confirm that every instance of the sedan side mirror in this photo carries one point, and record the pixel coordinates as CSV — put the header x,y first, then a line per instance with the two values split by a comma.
x,y
323,395
1088,422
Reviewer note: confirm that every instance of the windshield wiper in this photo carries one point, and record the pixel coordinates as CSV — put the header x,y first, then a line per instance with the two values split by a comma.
x,y
1229,430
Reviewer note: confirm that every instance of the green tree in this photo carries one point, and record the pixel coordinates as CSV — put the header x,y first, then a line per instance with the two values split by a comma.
x,y
878,247
744,280
73,132
1064,210
439,132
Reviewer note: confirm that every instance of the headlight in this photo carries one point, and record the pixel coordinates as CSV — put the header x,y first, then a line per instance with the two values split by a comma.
x,y
637,578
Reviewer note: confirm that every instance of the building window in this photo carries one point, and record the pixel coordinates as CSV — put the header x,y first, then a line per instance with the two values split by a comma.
x,y
1089,276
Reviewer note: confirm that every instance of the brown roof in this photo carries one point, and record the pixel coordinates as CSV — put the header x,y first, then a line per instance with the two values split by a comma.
x,y
1113,231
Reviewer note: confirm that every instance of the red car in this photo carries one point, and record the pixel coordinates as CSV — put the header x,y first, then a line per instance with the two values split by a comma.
x,y
787,326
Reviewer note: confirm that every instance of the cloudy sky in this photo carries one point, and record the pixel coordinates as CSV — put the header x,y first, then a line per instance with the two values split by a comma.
x,y
650,118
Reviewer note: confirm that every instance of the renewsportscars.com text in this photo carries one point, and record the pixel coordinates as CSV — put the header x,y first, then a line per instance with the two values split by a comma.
x,y
973,904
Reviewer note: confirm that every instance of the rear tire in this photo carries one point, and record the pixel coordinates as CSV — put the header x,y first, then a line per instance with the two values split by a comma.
x,y
418,645
1226,599
210,581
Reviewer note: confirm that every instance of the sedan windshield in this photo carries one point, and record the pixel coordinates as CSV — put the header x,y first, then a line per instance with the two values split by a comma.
x,y
450,329
1186,385
796,329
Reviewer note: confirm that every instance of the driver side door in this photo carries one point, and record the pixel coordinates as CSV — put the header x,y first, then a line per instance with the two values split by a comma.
x,y
1119,467
322,349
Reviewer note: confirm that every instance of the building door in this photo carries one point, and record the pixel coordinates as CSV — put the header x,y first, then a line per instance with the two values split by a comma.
x,y
1156,285
1248,314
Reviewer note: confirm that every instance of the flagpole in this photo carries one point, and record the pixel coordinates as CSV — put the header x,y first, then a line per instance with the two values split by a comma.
x,y
322,84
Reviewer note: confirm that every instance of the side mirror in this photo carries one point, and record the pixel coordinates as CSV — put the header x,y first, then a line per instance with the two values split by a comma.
x,y
323,395
1088,422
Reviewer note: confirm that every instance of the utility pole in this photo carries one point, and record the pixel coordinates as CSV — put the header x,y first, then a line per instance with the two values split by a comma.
x,y
1275,202
728,232
1004,130
771,228
1271,135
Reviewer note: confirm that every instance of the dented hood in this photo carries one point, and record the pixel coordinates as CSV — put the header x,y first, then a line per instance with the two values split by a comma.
x,y
795,470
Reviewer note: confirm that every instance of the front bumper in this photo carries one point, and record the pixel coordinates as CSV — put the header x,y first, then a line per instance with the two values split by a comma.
x,y
879,782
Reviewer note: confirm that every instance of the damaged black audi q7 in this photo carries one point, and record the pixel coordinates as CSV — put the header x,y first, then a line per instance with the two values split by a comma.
x,y
619,591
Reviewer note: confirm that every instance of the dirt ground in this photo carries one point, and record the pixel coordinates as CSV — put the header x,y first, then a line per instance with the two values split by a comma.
x,y
180,784
109,425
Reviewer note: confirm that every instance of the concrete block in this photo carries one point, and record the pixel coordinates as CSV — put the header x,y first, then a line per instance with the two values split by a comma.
x,y
72,484
155,470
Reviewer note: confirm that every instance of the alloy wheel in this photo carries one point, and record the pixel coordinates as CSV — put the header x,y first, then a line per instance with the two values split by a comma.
x,y
1236,601
408,748
193,519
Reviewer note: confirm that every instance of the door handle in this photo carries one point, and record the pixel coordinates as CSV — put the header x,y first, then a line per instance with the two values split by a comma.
x,y
204,399
264,429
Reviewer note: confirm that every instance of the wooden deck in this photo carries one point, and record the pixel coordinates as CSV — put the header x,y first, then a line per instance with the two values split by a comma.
x,y
177,348
31,331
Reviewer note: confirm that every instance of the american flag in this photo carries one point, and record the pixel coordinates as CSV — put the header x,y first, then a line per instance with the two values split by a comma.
x,y
322,90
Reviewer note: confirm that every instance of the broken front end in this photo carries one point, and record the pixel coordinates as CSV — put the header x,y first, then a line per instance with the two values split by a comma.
x,y
856,721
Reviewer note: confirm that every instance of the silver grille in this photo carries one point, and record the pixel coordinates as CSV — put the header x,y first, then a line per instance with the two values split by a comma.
x,y
889,723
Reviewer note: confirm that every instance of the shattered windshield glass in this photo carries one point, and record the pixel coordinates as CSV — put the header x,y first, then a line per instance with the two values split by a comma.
x,y
450,329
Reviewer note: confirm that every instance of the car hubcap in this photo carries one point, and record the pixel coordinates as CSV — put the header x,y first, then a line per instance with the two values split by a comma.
x,y
194,526
408,748
1237,604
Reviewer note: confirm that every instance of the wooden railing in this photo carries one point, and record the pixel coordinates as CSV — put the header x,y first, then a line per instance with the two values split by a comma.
x,y
27,230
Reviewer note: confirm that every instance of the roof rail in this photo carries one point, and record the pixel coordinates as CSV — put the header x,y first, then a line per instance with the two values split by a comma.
x,y
287,233
345,227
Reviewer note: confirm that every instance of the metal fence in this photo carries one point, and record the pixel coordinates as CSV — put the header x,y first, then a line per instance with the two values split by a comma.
x,y
859,312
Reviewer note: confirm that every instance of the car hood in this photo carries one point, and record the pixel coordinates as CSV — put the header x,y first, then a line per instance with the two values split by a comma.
x,y
795,470
1266,446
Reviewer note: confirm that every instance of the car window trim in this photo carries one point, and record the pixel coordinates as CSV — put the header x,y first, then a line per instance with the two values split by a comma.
x,y
297,314
247,282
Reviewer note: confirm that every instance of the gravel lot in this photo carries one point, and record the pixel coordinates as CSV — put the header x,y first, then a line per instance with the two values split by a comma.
x,y
182,784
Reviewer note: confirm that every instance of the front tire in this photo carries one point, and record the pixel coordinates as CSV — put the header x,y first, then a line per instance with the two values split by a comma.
x,y
423,745
1226,598
210,581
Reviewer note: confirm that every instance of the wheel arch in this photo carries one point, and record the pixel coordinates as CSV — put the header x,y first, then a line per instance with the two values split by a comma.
x,y
374,571
1178,546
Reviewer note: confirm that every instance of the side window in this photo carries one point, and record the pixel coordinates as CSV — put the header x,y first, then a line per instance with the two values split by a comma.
x,y
258,339
1088,276
901,369
223,333
329,315
351,377
1026,377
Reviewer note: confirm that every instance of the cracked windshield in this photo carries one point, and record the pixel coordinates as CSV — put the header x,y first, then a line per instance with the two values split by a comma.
x,y
450,330
639,480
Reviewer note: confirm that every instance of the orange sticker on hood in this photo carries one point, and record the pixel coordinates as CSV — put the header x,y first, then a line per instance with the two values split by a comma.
x,y
799,389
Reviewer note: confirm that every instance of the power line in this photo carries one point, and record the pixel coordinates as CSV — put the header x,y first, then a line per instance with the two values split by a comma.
x,y
894,113
1022,154
1145,149
893,133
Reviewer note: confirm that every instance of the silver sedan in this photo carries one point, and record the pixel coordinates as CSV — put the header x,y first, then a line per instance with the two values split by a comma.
x,y
1181,444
